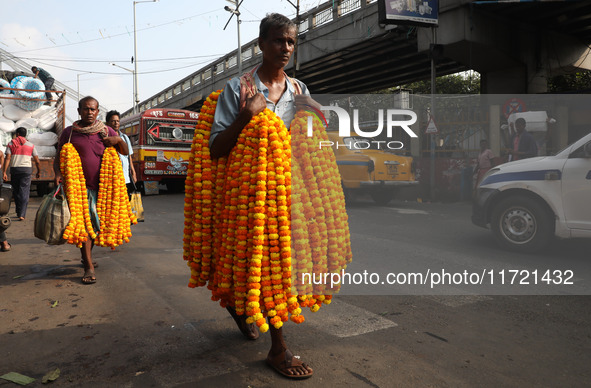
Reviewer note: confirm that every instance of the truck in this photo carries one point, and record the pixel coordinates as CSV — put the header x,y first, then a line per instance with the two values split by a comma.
x,y
45,183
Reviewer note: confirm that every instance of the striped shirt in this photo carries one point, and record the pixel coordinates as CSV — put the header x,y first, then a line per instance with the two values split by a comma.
x,y
21,157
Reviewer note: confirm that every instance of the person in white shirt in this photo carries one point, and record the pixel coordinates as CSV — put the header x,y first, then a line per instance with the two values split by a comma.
x,y
113,121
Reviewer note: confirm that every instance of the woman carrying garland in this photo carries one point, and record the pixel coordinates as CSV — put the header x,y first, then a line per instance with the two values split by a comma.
x,y
237,105
90,137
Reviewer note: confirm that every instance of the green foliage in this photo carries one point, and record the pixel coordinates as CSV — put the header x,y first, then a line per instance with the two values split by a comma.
x,y
459,83
580,81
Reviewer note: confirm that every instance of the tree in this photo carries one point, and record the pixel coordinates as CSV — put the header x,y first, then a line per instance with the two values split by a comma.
x,y
459,83
580,81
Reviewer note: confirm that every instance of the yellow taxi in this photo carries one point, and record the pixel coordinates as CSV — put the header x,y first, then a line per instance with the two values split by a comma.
x,y
370,166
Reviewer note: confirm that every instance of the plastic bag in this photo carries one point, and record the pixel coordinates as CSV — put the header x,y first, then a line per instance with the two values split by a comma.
x,y
136,206
52,217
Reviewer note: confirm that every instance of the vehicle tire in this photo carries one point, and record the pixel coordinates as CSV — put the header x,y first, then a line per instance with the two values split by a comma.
x,y
522,224
382,197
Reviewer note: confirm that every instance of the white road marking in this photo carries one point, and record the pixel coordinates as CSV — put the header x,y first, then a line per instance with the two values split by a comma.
x,y
409,211
345,320
457,300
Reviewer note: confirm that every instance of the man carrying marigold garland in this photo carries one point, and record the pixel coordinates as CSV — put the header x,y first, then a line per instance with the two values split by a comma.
x,y
89,137
266,86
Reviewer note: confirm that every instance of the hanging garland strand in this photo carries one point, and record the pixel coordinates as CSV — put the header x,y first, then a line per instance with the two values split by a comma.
x,y
113,207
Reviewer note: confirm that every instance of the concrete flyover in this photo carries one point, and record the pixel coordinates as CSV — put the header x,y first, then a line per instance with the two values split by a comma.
x,y
342,48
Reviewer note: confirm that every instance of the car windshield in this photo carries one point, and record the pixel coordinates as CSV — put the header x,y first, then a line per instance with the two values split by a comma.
x,y
357,143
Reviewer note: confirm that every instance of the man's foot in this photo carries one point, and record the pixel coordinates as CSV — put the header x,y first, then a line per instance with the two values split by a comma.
x,y
21,218
289,365
88,277
248,329
5,246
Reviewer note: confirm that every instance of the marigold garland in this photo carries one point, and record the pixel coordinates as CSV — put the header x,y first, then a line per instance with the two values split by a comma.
x,y
113,207
80,226
239,239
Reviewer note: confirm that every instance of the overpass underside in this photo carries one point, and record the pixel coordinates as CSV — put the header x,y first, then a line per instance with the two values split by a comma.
x,y
515,47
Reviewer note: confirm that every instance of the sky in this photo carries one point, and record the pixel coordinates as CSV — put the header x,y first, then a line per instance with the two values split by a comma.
x,y
77,40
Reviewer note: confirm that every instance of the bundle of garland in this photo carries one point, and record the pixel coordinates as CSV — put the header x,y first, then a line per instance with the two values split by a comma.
x,y
113,207
260,218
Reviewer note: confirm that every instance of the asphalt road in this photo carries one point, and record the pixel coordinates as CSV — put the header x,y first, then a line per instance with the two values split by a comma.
x,y
141,326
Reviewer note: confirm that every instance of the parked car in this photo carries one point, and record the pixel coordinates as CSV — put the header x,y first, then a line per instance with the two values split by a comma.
x,y
368,166
528,202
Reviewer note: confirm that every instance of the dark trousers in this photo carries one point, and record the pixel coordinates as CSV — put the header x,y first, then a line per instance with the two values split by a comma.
x,y
48,86
130,189
20,179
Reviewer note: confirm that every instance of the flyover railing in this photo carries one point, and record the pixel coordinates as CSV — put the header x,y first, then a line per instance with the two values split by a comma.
x,y
314,18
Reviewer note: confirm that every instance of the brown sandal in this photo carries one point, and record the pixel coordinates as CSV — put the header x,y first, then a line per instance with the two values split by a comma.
x,y
283,365
88,277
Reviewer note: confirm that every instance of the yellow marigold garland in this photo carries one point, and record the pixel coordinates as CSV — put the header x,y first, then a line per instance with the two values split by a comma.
x,y
80,225
113,207
238,213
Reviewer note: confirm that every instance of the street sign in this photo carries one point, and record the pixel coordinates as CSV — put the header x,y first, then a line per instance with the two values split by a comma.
x,y
431,127
513,105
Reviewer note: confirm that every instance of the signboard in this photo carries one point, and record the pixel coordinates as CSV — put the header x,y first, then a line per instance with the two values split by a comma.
x,y
431,127
417,12
513,105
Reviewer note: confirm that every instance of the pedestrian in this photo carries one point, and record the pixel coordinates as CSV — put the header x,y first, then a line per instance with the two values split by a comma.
x,y
524,144
113,121
19,153
484,162
47,80
276,91
89,137
4,244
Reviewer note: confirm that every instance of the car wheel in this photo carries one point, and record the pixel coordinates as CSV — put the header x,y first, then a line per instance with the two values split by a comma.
x,y
522,224
382,197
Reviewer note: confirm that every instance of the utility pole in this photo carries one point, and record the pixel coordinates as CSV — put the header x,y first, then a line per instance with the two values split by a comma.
x,y
295,49
235,11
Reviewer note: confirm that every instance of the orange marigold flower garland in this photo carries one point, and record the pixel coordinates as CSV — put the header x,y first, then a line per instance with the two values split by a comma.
x,y
113,206
317,187
238,212
76,195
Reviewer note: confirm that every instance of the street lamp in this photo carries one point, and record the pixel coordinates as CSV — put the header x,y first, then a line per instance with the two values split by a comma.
x,y
134,104
234,11
78,81
135,83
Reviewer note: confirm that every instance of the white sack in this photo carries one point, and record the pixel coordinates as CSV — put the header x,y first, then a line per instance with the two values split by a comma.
x,y
46,151
43,139
15,113
47,120
6,125
27,123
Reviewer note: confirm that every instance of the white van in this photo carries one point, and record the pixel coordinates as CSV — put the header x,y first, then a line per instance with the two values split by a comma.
x,y
527,202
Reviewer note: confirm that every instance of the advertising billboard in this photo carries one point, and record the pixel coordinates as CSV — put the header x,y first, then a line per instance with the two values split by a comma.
x,y
416,12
